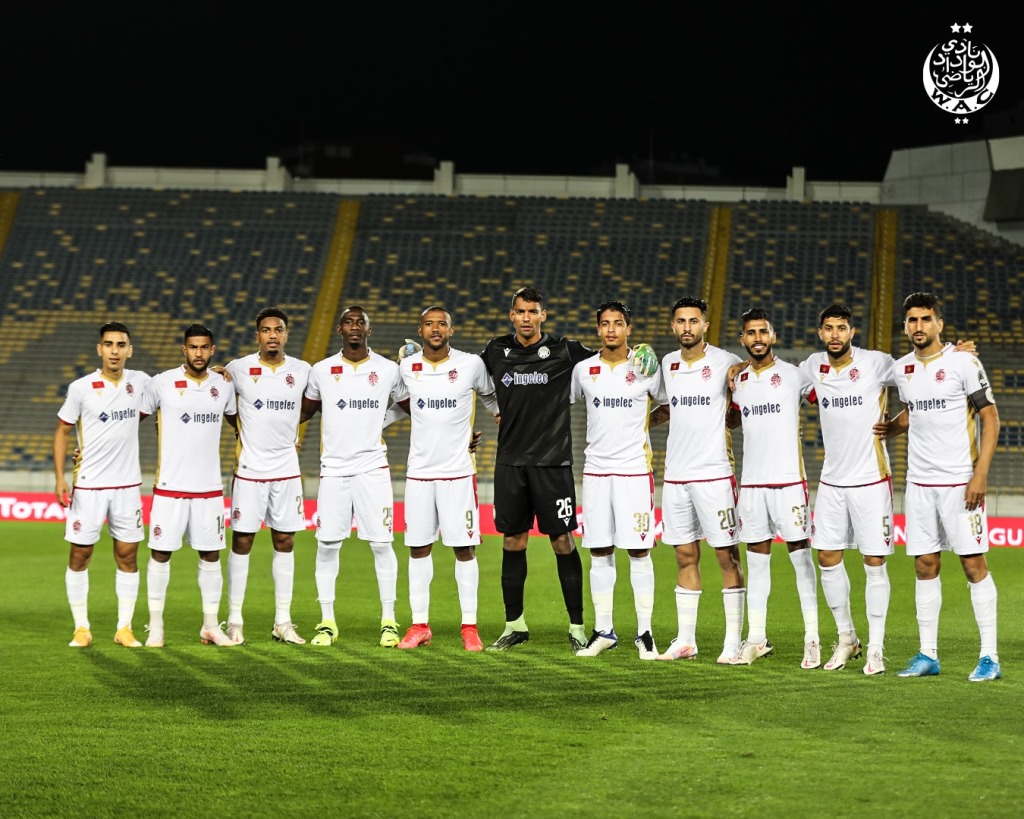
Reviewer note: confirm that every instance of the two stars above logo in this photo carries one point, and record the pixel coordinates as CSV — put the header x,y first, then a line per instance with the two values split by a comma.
x,y
966,28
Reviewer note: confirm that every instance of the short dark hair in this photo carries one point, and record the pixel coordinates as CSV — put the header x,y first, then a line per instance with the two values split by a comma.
x,y
115,327
438,308
352,307
271,312
618,307
836,310
690,301
754,314
926,301
528,294
195,331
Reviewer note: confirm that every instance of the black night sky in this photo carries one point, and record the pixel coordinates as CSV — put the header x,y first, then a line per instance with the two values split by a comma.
x,y
746,91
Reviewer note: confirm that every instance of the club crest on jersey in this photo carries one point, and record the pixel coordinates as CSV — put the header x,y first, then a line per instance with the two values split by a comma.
x,y
157,532
77,526
776,380
373,379
289,380
706,373
128,388
630,377
543,352
940,376
453,376
855,374
214,393
236,514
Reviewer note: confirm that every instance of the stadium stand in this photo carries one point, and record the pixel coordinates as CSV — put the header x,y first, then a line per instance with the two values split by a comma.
x,y
157,260
74,258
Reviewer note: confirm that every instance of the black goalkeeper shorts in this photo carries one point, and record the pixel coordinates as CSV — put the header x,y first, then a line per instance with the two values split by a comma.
x,y
524,492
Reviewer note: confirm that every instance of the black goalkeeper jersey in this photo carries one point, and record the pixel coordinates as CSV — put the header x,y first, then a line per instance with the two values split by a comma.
x,y
532,385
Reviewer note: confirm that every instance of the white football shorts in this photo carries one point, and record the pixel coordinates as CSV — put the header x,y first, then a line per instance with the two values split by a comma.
x,y
700,509
366,497
618,510
199,520
449,505
279,504
854,517
769,510
121,507
938,520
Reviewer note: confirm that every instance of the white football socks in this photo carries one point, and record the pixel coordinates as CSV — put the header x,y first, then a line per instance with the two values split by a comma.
x,y
126,586
467,578
282,569
602,590
385,564
77,586
326,573
238,578
421,573
641,577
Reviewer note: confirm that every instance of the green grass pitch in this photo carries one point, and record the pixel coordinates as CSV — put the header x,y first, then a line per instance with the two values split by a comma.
x,y
355,730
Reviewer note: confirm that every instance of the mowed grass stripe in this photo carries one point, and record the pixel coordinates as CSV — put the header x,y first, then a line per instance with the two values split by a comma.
x,y
352,729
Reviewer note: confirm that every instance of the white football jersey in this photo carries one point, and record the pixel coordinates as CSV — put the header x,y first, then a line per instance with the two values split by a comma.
x,y
769,401
699,446
188,415
944,436
106,414
442,403
619,401
269,402
851,400
354,397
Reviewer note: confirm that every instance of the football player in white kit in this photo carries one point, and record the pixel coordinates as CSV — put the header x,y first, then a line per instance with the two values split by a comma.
x,y
947,394
853,507
773,488
618,486
699,495
440,488
352,390
103,407
188,494
267,485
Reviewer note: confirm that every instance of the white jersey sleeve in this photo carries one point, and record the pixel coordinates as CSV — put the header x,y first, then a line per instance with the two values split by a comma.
x,y
769,401
106,417
699,446
851,400
942,395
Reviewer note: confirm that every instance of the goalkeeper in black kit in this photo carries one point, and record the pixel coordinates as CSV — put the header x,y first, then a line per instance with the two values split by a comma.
x,y
532,373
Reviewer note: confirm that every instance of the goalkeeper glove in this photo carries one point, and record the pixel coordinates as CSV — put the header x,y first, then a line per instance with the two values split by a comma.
x,y
645,359
409,348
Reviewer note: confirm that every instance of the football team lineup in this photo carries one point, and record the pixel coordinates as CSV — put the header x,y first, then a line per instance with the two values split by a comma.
x,y
528,380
